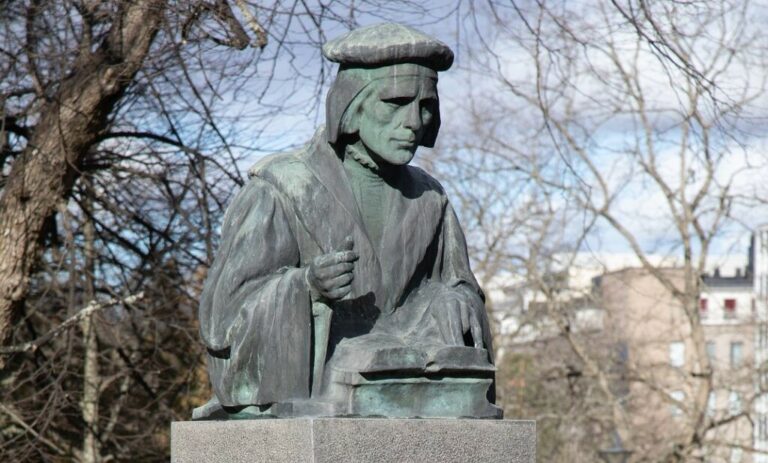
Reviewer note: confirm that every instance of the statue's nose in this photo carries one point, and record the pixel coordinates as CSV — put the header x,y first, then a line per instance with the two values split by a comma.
x,y
413,116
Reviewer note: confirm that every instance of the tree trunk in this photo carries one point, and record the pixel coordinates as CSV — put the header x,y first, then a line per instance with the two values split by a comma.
x,y
70,121
91,379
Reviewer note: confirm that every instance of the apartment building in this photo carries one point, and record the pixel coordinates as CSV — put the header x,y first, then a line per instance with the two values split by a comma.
x,y
642,314
652,329
632,311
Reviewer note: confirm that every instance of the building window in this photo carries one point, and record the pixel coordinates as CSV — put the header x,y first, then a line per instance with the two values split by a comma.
x,y
762,427
734,403
623,352
762,284
678,396
730,308
737,350
677,354
712,403
765,285
711,351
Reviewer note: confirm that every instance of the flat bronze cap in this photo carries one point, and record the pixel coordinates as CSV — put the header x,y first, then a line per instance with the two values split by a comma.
x,y
388,43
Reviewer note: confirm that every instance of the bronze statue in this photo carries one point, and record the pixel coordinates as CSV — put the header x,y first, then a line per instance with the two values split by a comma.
x,y
342,285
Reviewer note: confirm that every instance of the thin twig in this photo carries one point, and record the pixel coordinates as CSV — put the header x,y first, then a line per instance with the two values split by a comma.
x,y
87,311
18,420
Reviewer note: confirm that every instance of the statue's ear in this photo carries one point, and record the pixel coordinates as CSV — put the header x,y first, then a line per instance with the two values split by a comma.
x,y
430,136
351,118
353,123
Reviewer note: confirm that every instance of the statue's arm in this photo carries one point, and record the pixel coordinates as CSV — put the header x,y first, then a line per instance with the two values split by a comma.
x,y
456,275
454,265
258,253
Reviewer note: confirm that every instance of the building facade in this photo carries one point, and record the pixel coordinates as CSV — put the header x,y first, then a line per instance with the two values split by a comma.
x,y
631,310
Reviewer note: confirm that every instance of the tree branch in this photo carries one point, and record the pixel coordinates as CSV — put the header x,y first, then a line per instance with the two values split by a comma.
x,y
85,312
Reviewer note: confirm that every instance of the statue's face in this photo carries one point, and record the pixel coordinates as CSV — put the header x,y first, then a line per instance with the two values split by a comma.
x,y
395,117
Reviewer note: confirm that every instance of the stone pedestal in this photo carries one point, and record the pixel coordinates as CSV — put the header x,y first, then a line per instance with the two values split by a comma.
x,y
358,440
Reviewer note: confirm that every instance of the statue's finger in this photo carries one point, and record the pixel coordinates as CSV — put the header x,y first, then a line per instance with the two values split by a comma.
x,y
343,268
319,261
324,260
345,256
335,258
341,280
335,270
338,293
456,332
464,310
477,331
455,324
323,284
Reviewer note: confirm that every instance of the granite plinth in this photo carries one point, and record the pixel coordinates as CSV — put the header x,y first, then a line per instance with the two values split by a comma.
x,y
358,440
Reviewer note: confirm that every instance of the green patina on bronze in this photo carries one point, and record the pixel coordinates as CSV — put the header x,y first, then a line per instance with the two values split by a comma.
x,y
342,286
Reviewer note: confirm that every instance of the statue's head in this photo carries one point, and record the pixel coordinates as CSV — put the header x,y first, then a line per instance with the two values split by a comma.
x,y
385,93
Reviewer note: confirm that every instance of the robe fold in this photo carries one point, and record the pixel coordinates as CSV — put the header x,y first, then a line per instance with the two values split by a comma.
x,y
256,307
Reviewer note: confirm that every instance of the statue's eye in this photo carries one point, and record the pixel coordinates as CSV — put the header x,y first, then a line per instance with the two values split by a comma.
x,y
429,104
426,114
398,101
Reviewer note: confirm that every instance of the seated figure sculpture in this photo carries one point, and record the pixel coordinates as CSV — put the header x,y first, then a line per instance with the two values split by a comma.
x,y
342,285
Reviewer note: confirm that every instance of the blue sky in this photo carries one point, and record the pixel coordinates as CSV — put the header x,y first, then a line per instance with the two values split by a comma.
x,y
298,93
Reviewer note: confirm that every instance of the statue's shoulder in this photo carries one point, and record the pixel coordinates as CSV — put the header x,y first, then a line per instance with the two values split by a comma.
x,y
425,182
280,165
266,182
289,169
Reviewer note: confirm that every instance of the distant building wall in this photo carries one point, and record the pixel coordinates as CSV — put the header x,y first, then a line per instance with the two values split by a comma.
x,y
633,310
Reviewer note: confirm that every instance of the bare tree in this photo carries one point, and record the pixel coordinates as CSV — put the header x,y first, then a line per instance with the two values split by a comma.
x,y
627,122
124,132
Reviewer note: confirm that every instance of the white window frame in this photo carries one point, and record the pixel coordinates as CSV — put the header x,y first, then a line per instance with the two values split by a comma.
x,y
680,397
677,354
734,403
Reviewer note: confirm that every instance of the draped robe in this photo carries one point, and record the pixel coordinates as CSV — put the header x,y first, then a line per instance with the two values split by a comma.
x,y
256,307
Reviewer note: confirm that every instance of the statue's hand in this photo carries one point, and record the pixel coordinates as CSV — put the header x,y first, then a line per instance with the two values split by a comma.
x,y
457,317
330,275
